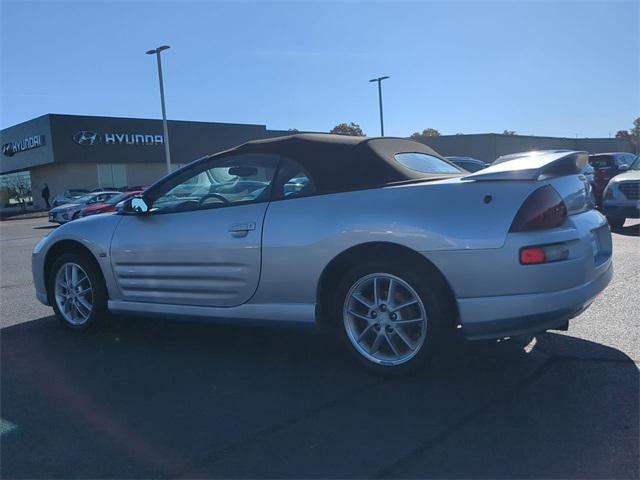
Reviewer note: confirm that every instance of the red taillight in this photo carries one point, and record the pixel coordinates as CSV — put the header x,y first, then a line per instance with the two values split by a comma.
x,y
555,252
530,256
543,209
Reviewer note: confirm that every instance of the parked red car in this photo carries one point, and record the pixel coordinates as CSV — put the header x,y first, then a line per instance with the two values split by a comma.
x,y
605,167
109,206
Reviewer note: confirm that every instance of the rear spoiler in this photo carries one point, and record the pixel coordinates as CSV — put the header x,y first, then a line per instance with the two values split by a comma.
x,y
534,166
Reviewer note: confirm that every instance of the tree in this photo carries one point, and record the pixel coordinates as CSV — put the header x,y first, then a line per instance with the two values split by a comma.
x,y
623,134
632,135
509,132
427,132
352,129
635,131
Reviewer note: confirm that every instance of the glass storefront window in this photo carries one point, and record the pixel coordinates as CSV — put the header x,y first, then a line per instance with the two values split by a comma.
x,y
15,190
112,175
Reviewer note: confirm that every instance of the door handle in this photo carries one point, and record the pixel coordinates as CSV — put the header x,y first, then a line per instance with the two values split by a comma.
x,y
241,229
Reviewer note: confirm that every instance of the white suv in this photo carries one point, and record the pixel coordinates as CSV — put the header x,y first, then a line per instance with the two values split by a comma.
x,y
621,199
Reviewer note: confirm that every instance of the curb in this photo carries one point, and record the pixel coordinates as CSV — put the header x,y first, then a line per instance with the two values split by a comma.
x,y
27,216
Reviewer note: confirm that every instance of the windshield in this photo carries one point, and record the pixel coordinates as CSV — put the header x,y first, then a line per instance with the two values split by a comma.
x,y
83,199
636,164
117,198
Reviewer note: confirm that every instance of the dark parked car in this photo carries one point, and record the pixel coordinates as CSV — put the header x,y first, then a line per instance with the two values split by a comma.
x,y
470,164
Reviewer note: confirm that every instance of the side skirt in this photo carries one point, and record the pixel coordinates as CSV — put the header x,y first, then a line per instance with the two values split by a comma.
x,y
285,312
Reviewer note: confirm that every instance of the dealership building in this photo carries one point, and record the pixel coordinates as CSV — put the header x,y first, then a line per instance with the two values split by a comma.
x,y
86,152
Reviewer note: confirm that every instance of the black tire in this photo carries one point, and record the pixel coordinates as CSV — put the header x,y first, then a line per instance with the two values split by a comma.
x,y
435,297
99,312
75,216
616,223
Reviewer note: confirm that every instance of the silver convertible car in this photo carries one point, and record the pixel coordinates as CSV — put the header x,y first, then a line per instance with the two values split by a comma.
x,y
380,241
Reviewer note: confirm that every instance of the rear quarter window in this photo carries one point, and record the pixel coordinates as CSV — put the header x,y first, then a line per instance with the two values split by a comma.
x,y
421,162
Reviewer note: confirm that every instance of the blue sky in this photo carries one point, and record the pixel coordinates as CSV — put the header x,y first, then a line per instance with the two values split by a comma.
x,y
539,67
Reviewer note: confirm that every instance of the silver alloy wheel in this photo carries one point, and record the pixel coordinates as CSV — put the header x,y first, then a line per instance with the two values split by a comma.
x,y
73,293
385,319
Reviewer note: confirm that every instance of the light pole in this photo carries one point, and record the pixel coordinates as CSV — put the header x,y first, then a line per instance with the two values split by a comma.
x,y
167,152
379,80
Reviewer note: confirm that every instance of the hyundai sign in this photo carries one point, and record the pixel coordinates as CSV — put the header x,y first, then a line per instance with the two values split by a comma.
x,y
89,138
11,148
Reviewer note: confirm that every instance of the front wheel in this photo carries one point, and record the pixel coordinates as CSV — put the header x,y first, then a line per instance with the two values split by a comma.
x,y
616,223
77,291
393,317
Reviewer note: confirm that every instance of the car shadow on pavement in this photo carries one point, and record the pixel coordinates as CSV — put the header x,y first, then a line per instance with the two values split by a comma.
x,y
152,398
632,230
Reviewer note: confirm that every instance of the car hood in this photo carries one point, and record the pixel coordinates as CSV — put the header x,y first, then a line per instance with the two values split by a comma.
x,y
630,175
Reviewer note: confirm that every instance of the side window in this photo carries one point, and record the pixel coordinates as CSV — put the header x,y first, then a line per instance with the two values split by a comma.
x,y
293,181
221,182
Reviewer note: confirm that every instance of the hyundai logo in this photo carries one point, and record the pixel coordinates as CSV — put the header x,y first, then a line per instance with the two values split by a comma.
x,y
86,138
7,149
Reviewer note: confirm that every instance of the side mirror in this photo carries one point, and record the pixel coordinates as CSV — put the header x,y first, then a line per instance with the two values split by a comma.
x,y
137,205
623,167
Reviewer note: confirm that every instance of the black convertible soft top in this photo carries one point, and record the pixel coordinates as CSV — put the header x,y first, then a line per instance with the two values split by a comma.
x,y
336,163
339,163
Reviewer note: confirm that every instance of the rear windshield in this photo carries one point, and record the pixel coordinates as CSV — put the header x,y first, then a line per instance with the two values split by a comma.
x,y
421,162
601,161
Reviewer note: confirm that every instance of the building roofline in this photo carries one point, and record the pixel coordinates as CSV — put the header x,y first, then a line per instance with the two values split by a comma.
x,y
107,117
526,136
26,121
156,119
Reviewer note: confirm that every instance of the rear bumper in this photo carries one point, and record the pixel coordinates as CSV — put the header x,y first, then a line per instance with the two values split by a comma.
x,y
506,316
497,296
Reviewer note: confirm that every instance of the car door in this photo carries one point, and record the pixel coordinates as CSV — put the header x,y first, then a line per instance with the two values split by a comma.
x,y
200,244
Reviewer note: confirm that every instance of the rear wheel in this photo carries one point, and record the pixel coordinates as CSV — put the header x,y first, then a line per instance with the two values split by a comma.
x,y
392,318
616,223
77,291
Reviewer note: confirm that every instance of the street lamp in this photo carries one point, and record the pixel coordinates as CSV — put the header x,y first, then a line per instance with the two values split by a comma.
x,y
167,153
379,80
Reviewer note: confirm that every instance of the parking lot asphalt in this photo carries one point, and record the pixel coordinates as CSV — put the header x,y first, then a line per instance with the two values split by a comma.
x,y
155,398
